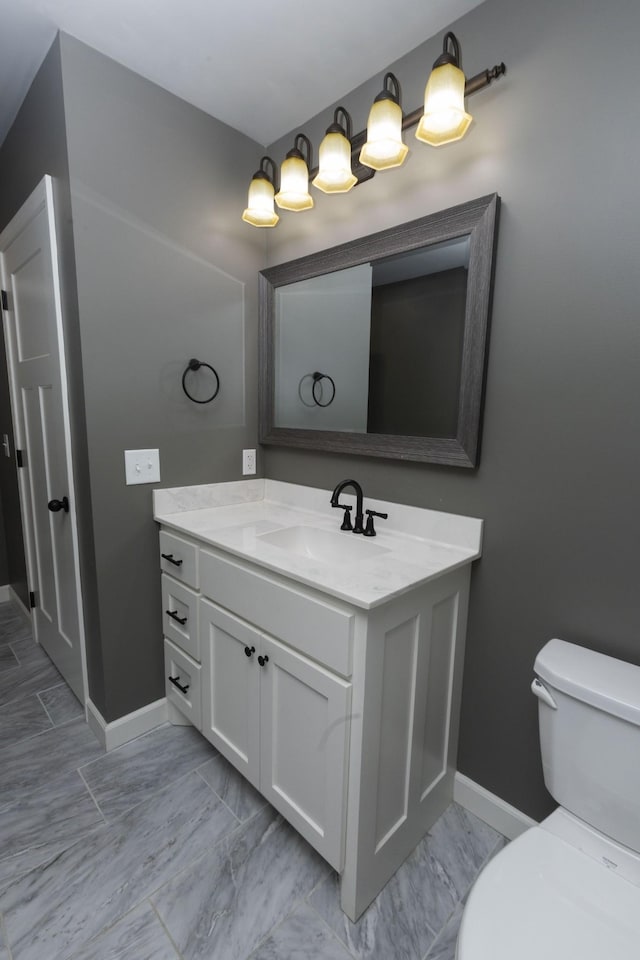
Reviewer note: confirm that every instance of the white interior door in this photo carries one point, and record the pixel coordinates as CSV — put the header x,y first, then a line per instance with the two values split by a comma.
x,y
37,373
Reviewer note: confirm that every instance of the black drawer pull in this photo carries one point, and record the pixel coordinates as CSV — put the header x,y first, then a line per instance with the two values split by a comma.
x,y
170,557
176,683
263,660
174,616
249,650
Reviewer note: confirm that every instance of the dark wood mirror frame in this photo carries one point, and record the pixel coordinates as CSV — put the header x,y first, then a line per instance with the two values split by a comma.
x,y
477,219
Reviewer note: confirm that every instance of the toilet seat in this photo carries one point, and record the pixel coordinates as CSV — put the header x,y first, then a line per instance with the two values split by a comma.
x,y
543,899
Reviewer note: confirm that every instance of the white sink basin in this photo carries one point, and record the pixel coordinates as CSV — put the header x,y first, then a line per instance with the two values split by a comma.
x,y
323,545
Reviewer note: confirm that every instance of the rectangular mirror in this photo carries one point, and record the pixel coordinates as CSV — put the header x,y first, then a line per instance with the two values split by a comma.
x,y
378,346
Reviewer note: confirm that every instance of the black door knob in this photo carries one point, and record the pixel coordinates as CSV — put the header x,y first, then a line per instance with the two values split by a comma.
x,y
55,505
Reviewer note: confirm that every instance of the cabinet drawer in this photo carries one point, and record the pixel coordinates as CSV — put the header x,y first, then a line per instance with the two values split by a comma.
x,y
185,672
317,627
180,616
179,558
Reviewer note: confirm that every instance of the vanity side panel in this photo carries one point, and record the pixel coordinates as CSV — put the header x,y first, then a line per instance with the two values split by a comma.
x,y
372,855
397,707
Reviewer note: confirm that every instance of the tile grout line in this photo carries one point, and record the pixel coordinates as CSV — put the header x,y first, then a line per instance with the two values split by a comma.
x,y
460,902
3,931
166,930
90,792
216,794
44,707
160,789
330,928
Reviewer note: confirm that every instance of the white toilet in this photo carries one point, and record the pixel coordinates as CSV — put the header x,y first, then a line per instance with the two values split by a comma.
x,y
569,889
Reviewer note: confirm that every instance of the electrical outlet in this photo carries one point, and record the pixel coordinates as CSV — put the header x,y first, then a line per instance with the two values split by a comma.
x,y
142,466
248,462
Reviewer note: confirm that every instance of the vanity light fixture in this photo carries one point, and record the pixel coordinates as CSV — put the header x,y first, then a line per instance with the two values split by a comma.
x,y
384,147
335,174
260,211
445,118
347,160
294,177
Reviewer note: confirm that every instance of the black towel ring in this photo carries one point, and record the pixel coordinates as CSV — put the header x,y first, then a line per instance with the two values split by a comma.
x,y
195,365
317,379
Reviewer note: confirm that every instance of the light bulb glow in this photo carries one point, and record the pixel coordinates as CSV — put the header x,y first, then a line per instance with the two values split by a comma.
x,y
294,185
260,211
384,147
334,173
445,118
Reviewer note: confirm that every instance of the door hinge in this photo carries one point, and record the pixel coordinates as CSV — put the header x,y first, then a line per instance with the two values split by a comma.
x,y
19,458
32,599
5,300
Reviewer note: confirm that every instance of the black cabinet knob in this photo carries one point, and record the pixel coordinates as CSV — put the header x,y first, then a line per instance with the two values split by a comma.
x,y
56,505
263,660
249,651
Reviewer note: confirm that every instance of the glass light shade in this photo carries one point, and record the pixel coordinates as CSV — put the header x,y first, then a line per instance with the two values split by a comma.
x,y
260,211
445,118
384,147
294,185
334,173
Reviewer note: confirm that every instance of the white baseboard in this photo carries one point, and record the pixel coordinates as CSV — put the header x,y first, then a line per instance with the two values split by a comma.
x,y
16,599
114,734
507,820
8,593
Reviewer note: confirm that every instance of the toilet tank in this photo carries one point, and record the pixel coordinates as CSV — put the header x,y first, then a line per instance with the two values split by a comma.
x,y
589,715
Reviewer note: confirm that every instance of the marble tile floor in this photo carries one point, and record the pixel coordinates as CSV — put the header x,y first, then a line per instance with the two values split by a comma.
x,y
161,850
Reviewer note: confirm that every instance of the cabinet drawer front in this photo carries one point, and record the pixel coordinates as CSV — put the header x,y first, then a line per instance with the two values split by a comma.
x,y
316,627
180,616
179,558
185,692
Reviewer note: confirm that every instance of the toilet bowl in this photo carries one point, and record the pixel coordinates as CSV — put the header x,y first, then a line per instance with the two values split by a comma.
x,y
569,889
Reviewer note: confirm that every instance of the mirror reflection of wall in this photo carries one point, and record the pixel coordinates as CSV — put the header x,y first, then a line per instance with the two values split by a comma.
x,y
418,309
390,336
323,325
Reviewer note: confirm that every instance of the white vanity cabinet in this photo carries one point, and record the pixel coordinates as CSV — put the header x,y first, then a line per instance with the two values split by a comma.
x,y
342,712
282,720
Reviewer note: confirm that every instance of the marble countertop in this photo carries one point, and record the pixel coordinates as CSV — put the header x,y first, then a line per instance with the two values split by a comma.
x,y
412,547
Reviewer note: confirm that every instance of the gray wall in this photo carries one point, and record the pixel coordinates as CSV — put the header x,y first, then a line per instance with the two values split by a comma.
x,y
166,271
34,146
558,477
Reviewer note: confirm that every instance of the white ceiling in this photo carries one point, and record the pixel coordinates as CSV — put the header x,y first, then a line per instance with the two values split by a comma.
x,y
263,66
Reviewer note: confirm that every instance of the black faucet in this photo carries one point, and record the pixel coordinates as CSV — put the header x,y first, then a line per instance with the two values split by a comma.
x,y
357,526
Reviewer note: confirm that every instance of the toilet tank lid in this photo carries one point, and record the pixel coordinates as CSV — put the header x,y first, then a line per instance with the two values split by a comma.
x,y
604,682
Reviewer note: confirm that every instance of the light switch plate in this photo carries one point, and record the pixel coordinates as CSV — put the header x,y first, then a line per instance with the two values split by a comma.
x,y
142,466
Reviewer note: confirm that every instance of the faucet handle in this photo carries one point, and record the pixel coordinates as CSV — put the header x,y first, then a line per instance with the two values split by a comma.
x,y
369,529
346,520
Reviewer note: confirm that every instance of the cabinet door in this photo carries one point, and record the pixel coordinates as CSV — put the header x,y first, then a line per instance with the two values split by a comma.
x,y
304,737
231,688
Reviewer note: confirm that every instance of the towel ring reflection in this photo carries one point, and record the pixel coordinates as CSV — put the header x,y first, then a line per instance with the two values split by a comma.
x,y
195,365
317,378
